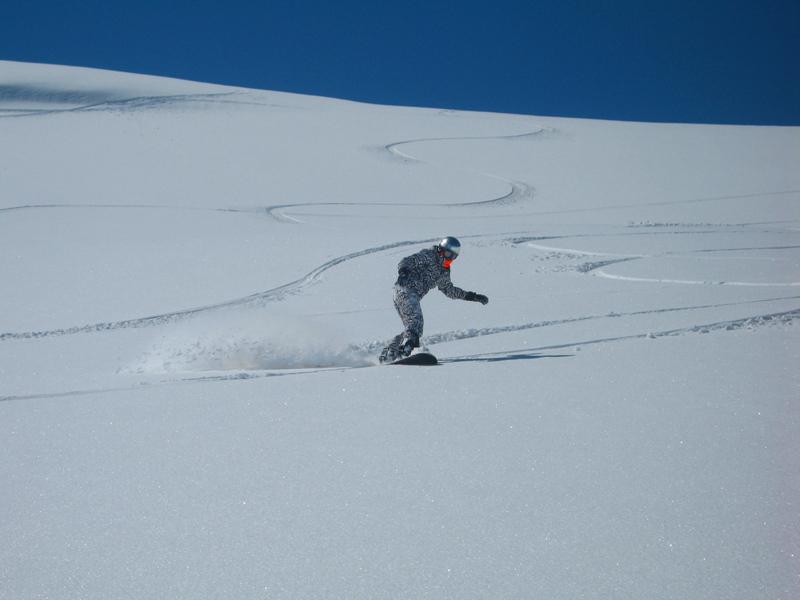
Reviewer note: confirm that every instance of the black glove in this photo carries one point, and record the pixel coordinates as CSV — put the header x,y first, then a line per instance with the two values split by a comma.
x,y
473,297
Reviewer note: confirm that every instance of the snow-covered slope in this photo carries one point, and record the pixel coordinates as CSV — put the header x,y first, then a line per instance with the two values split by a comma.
x,y
195,283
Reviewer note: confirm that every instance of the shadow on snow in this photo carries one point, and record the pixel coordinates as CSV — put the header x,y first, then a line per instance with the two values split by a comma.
x,y
527,356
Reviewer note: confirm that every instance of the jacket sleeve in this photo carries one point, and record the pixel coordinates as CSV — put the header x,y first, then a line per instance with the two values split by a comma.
x,y
404,271
448,289
407,264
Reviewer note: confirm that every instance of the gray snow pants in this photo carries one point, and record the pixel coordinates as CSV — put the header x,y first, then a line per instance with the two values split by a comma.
x,y
407,304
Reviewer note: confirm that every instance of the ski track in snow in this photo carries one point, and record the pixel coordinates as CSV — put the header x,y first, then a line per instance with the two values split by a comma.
x,y
779,318
613,207
602,273
120,206
479,332
517,191
140,102
119,104
281,292
597,268
752,322
271,295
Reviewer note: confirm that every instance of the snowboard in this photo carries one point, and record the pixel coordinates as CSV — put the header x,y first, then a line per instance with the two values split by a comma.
x,y
425,359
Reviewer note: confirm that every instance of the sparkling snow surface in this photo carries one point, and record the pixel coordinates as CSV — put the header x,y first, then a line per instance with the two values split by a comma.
x,y
196,281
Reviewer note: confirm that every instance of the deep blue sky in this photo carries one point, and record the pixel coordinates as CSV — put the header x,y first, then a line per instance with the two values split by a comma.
x,y
690,61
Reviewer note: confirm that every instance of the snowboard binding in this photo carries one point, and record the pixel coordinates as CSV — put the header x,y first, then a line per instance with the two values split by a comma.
x,y
400,351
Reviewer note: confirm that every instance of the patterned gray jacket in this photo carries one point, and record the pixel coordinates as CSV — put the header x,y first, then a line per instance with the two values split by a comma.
x,y
423,271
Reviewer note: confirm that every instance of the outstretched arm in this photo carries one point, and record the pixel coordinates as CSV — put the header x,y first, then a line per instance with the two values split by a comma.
x,y
451,291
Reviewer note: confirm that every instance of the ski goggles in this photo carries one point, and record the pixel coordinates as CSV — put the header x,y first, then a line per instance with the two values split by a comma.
x,y
448,254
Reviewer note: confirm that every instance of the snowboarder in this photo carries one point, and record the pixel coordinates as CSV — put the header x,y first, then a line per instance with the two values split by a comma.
x,y
417,275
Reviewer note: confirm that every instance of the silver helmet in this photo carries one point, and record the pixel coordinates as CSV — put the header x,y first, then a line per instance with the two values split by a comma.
x,y
449,247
